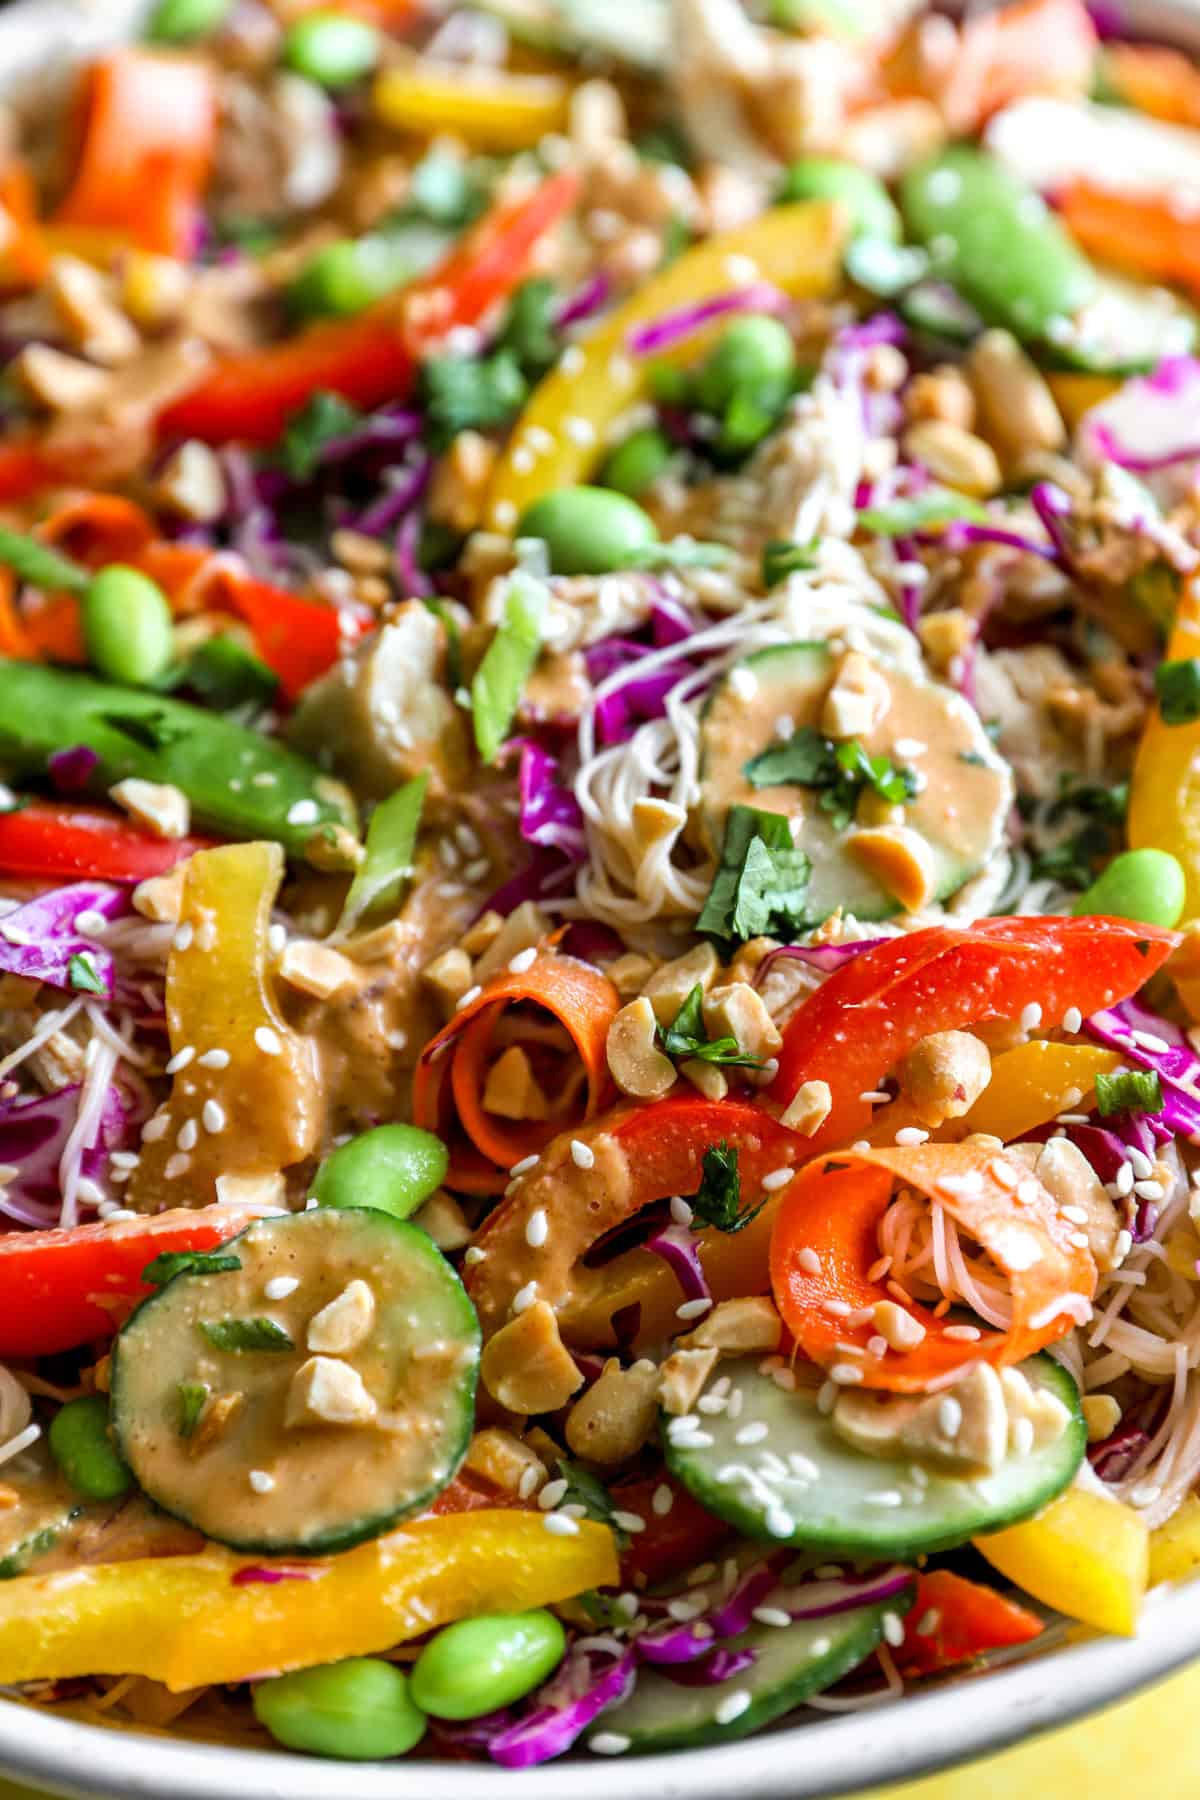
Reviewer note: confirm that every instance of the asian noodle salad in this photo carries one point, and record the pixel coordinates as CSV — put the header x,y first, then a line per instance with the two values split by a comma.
x,y
599,739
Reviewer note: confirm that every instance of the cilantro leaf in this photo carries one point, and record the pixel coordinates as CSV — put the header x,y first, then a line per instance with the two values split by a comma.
x,y
246,1334
807,760
782,558
193,1398
1129,1090
761,881
586,1490
529,332
1177,685
31,560
81,973
469,393
842,770
718,1201
170,1263
687,1037
318,422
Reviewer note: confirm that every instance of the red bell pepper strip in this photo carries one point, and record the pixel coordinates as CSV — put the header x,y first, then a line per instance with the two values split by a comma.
x,y
25,253
28,468
297,638
862,1021
1154,234
61,1289
372,358
65,842
672,1541
148,130
953,1620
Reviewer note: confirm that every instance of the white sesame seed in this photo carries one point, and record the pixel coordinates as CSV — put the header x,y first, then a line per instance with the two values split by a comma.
x,y
559,1525
1031,1016
845,1374
212,1116
776,1179
809,1261
681,1212
1123,1179
874,1097
182,940
754,1433
473,1255
582,1155
1072,1019
524,959
949,1416
1075,1215
280,1286
963,1334
303,812
826,1397
175,1166
472,994
538,1229
523,1167
267,1040
213,1059
155,1128
1146,1040
608,1743
1123,1245
662,1501
694,1309
181,1059
910,1135
524,1297
893,1624
732,1707
527,1483
187,1134
629,1521
743,682
260,1481
1149,1190
552,1493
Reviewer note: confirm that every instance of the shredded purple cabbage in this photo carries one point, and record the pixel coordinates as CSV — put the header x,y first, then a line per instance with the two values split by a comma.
x,y
963,532
257,1574
33,1137
414,582
671,1644
589,1682
388,511
825,957
585,301
1177,1066
672,328
386,429
550,815
722,1665
1160,411
880,328
822,1599
638,698
38,940
736,1614
545,876
71,770
679,1250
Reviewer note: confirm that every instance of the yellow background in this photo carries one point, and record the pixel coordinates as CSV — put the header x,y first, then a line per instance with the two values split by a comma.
x,y
1148,1748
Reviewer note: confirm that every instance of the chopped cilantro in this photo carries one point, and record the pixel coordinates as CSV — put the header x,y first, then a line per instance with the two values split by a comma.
x,y
81,973
1177,685
193,1398
529,331
317,423
843,771
782,558
164,1268
686,1037
586,1490
718,1201
246,1334
761,882
469,393
1129,1090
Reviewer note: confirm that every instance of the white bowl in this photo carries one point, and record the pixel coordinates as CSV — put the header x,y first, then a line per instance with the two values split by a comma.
x,y
952,1722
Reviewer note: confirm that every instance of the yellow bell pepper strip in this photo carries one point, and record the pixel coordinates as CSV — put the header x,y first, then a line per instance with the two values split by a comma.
x,y
1029,1085
1086,1555
798,248
190,1620
1076,394
258,1110
1175,1546
490,109
1164,795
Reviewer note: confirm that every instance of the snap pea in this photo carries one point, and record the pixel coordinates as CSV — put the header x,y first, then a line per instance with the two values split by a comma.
x,y
754,356
392,1168
126,625
1146,885
333,49
476,1665
637,463
872,213
588,530
239,783
996,241
357,1710
179,21
83,1450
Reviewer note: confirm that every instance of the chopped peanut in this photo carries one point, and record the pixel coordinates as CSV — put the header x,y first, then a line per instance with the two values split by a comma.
x,y
482,934
445,1221
61,382
705,1077
511,1089
315,969
736,1010
897,1326
945,636
82,298
900,860
456,496
857,700
161,897
739,1327
635,1062
524,929
345,1323
943,395
944,1074
218,1410
526,1366
162,808
505,1459
192,484
670,985
252,1190
954,456
1070,1180
324,1391
808,1108
682,1376
630,973
1102,1415
1018,413
450,976
614,1418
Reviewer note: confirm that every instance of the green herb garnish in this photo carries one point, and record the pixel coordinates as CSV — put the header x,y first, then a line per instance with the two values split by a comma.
x,y
470,393
843,771
170,1263
718,1201
1129,1090
1177,685
686,1038
761,883
387,866
529,332
193,1398
507,664
320,421
936,506
246,1334
81,973
782,558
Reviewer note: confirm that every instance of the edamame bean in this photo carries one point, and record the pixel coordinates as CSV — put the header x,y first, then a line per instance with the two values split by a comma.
x,y
83,1450
331,48
1146,885
588,530
393,1169
126,625
178,21
474,1666
863,195
753,355
996,241
344,277
358,1710
637,463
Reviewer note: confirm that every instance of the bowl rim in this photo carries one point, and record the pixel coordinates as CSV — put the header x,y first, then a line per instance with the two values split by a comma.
x,y
816,1759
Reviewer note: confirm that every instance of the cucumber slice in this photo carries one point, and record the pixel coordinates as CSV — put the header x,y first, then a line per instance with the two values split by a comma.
x,y
843,1507
791,1664
1126,328
960,810
302,1437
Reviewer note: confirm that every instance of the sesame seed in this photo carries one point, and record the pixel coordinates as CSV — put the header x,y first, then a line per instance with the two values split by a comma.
x,y
473,1255
743,682
732,1707
963,1334
523,1167
662,1501
182,940
267,1040
1031,1016
776,1179
1123,1245
187,1134
524,1297
524,959
837,1309
280,1286
303,812
681,1212
472,994
692,1440
582,1155
155,1128
1149,1190
176,1166
783,1378
874,1097
527,1483
1139,1162
260,1481
820,1646
1123,1179
559,1525
538,1229
949,1416
910,1135
908,746
213,1059
826,1397
1072,1019
1078,1240
893,1624
551,1494
754,1433
1075,1215
1146,1040
809,1261
212,1116
181,1059
845,1374
608,1743
693,1309
929,1621
628,1521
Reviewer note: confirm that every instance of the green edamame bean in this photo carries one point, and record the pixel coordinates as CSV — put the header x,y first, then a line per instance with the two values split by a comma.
x,y
863,195
345,277
637,463
995,240
83,1450
126,625
753,355
331,48
358,1710
588,530
393,1168
1146,885
476,1665
179,21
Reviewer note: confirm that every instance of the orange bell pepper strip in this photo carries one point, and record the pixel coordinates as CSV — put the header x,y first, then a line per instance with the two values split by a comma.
x,y
1163,83
62,1289
640,1154
824,1243
1164,794
148,128
25,255
953,1621
15,641
220,996
190,1620
64,842
453,1066
1152,234
864,1020
373,357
